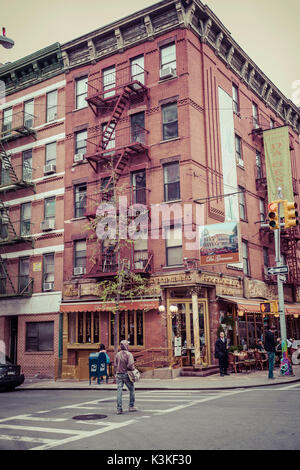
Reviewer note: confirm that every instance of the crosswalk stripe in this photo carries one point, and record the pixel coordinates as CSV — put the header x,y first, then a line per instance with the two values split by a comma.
x,y
37,440
33,428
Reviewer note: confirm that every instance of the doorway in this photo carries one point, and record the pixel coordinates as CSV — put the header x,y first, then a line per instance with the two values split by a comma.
x,y
13,349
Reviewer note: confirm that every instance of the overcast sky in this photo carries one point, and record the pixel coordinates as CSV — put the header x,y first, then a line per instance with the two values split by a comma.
x,y
267,30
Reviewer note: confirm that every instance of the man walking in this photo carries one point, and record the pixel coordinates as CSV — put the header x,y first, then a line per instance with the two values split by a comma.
x,y
221,353
124,361
270,347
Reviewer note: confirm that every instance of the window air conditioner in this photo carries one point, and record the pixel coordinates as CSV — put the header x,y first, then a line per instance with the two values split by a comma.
x,y
50,168
78,157
79,270
168,72
48,224
48,286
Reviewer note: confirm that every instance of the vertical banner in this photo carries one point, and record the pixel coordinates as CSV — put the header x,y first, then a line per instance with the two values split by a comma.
x,y
278,163
228,156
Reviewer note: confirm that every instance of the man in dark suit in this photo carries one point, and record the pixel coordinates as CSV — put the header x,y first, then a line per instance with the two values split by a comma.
x,y
270,347
221,353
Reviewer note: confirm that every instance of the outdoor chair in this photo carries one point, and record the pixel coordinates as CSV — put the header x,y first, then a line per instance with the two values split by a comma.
x,y
260,360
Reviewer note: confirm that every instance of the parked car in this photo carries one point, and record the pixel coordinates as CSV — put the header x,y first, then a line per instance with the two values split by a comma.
x,y
10,374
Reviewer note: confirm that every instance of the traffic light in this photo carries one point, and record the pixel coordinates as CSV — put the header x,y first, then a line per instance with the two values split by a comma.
x,y
290,214
265,307
273,215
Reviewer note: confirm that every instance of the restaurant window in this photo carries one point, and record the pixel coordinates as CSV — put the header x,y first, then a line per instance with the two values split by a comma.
x,y
169,121
168,56
39,336
25,221
242,203
83,327
238,150
48,272
109,81
255,115
50,154
80,200
174,246
171,182
80,142
137,69
81,88
235,99
245,254
7,120
51,106
131,327
28,113
27,165
138,182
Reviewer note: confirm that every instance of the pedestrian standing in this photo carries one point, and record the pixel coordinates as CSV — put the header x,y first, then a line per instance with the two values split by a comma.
x,y
221,353
124,361
270,347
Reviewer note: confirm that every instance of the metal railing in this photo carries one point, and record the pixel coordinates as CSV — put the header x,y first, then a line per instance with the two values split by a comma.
x,y
17,122
16,174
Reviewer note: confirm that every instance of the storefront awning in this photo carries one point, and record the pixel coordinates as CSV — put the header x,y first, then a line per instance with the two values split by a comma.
x,y
253,305
102,307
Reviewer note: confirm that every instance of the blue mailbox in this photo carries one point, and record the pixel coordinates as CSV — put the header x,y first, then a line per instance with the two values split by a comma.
x,y
97,366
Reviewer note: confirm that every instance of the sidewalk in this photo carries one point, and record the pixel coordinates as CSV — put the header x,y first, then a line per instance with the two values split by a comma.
x,y
213,382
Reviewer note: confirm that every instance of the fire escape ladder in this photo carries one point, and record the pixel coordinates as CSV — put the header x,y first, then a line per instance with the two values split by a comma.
x,y
291,252
5,221
6,164
4,271
114,119
117,170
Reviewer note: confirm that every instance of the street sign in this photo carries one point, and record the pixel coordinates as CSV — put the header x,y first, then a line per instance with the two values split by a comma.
x,y
278,270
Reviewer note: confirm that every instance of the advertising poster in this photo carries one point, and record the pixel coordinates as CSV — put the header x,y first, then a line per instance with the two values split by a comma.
x,y
219,243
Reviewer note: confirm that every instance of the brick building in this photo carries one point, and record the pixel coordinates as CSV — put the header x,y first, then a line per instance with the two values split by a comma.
x,y
32,208
166,104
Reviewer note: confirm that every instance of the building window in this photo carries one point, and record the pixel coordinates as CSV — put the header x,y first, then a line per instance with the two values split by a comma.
x,y
259,173
138,182
137,126
170,121
242,203
168,56
272,123
171,182
80,142
262,211
238,150
140,253
25,219
76,331
24,274
3,224
137,69
39,336
174,246
80,254
131,327
246,267
255,115
28,113
49,208
235,99
51,110
50,154
27,165
109,81
81,88
7,120
48,272
80,200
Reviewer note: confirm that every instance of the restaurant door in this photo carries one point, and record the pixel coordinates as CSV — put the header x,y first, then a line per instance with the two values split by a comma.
x,y
180,325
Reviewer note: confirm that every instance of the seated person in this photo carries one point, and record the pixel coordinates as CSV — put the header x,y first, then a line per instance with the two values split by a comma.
x,y
260,346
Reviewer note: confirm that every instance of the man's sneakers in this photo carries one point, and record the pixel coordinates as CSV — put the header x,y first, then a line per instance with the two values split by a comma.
x,y
119,412
132,408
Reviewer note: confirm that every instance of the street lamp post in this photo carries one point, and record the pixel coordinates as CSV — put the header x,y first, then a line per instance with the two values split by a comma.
x,y
6,42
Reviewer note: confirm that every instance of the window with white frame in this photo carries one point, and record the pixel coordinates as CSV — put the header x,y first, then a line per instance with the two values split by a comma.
x,y
51,107
169,121
109,81
48,272
174,246
242,203
81,88
25,222
80,254
27,165
255,115
50,154
28,113
168,56
7,120
238,150
245,255
80,142
235,99
262,210
171,181
49,208
137,69
80,200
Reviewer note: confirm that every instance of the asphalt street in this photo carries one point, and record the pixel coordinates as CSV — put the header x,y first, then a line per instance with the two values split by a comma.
x,y
262,418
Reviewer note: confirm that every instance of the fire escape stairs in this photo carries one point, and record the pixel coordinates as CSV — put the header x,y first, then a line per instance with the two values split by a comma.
x,y
13,178
4,272
290,250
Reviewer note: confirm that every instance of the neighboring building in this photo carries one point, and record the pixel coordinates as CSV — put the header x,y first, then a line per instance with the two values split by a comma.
x,y
32,170
177,107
